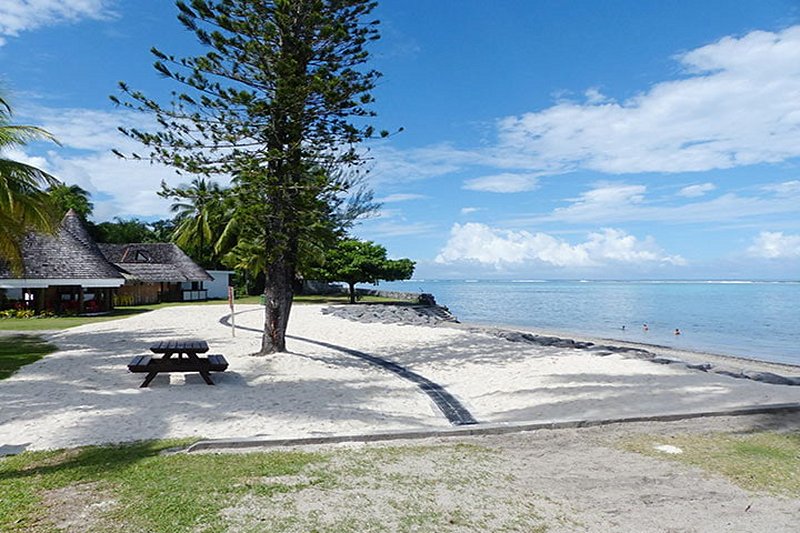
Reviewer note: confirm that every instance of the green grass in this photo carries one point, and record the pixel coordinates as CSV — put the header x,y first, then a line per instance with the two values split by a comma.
x,y
133,487
760,461
64,322
139,487
20,350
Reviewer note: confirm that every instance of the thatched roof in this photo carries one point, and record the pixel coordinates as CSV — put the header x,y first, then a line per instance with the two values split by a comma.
x,y
69,254
153,262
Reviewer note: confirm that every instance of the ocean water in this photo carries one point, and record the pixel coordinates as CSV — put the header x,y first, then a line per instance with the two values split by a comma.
x,y
758,320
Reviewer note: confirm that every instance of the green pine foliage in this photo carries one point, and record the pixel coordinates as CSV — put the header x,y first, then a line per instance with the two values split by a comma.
x,y
279,102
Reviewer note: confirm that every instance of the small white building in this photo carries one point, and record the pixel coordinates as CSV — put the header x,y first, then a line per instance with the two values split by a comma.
x,y
218,287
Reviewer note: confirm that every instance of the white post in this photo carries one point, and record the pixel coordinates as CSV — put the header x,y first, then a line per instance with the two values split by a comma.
x,y
233,315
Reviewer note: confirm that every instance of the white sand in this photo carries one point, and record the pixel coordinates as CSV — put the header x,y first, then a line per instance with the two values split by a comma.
x,y
83,394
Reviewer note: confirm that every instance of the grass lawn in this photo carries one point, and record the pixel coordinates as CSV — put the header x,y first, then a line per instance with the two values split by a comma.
x,y
63,322
761,461
20,350
138,487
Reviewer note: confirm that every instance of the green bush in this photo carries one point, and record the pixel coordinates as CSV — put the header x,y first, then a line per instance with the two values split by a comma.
x,y
24,313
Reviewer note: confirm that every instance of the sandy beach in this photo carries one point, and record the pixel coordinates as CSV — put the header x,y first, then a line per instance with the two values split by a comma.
x,y
83,394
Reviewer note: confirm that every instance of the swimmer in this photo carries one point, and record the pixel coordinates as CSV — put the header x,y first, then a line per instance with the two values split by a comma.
x,y
623,328
677,331
645,327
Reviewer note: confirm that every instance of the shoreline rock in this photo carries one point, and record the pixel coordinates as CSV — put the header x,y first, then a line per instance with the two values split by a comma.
x,y
435,315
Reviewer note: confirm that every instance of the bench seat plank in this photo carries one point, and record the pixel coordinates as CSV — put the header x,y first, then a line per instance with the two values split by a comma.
x,y
217,363
139,363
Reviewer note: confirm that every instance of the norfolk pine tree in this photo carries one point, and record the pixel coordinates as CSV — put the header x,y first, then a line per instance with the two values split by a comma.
x,y
279,103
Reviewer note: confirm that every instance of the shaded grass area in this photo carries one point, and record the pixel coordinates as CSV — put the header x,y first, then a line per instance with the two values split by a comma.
x,y
759,461
138,487
64,322
133,487
20,350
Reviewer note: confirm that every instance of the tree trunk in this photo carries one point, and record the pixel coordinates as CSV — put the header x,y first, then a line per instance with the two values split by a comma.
x,y
352,293
278,305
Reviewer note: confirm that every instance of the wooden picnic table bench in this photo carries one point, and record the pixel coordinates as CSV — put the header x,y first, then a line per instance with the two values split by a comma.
x,y
186,360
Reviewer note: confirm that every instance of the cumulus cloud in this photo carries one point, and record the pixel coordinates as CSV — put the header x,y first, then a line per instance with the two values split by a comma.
x,y
775,245
730,109
504,183
693,191
17,16
483,244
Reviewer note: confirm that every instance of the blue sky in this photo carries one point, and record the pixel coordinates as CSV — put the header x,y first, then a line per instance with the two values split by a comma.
x,y
621,140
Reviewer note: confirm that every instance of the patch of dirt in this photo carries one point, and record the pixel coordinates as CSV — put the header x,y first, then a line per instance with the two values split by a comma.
x,y
442,488
79,508
555,481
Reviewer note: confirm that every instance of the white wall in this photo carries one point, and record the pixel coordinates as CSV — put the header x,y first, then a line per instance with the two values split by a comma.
x,y
219,287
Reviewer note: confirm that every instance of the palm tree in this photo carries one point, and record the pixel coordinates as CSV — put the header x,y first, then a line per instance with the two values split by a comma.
x,y
66,197
24,204
199,217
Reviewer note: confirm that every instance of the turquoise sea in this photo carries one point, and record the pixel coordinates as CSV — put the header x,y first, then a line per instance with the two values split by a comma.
x,y
754,319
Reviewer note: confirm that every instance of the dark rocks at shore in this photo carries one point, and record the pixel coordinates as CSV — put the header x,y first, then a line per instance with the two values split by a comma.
x,y
435,315
416,315
705,367
604,350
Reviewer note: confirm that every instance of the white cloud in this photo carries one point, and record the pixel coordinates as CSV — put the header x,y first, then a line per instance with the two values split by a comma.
x,y
395,229
15,154
775,245
504,183
784,188
733,108
17,16
594,96
400,197
480,243
470,210
693,191
119,187
391,165
606,200
611,203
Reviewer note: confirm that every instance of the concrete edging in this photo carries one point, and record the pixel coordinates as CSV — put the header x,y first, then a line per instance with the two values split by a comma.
x,y
481,429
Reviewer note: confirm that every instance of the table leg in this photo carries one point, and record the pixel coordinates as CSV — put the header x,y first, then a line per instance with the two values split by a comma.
x,y
206,377
148,379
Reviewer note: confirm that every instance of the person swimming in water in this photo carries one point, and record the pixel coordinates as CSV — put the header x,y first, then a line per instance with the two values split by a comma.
x,y
645,327
677,331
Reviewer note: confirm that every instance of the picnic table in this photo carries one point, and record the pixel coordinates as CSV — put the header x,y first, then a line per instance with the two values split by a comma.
x,y
186,359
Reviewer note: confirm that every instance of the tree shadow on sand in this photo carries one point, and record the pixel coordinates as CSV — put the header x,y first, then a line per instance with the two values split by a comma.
x,y
84,394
